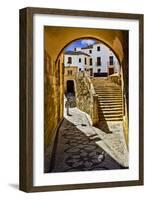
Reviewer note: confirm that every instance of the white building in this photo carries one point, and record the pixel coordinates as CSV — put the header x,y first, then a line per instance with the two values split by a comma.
x,y
98,59
76,58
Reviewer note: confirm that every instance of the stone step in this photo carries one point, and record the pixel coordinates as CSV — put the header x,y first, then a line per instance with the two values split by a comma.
x,y
106,88
109,103
114,108
101,108
108,92
114,101
107,84
107,108
113,93
109,97
110,100
109,112
104,83
110,119
104,94
110,115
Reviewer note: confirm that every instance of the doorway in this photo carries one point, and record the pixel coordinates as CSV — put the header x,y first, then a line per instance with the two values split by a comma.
x,y
70,86
111,70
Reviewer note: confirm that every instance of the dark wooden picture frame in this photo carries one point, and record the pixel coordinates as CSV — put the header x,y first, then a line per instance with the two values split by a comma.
x,y
26,98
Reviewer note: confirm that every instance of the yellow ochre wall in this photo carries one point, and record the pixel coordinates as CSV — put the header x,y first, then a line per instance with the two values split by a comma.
x,y
53,99
69,77
58,37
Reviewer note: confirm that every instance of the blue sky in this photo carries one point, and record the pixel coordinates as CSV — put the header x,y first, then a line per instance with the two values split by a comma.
x,y
79,43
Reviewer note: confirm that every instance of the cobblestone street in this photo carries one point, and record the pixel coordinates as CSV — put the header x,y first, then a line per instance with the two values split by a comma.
x,y
77,146
75,152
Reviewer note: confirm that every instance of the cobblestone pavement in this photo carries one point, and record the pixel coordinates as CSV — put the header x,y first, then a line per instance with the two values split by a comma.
x,y
113,143
77,147
75,152
82,147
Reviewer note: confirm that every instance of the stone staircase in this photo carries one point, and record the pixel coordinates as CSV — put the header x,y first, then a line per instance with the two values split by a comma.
x,y
110,106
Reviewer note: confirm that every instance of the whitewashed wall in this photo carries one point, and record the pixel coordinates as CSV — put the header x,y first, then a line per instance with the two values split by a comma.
x,y
75,61
104,53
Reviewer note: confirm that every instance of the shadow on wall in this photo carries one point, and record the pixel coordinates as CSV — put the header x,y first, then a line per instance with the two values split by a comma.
x,y
102,124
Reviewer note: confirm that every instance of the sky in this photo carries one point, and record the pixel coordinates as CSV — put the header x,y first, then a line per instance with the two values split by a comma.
x,y
80,43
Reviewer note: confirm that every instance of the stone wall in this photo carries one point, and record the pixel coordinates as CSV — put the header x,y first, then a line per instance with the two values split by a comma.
x,y
83,96
115,78
86,97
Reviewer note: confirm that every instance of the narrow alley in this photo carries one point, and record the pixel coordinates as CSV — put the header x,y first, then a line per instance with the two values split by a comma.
x,y
77,145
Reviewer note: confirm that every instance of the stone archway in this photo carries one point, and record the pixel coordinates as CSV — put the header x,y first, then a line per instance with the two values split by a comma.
x,y
55,40
55,35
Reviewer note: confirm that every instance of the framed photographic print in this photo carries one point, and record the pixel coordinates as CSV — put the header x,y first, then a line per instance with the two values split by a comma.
x,y
81,99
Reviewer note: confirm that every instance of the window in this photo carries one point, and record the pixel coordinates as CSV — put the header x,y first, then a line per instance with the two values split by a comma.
x,y
111,61
98,48
85,61
69,72
69,60
79,60
90,51
98,61
90,61
98,71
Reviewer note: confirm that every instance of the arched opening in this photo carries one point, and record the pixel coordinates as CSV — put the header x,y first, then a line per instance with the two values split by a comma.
x,y
90,38
94,62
